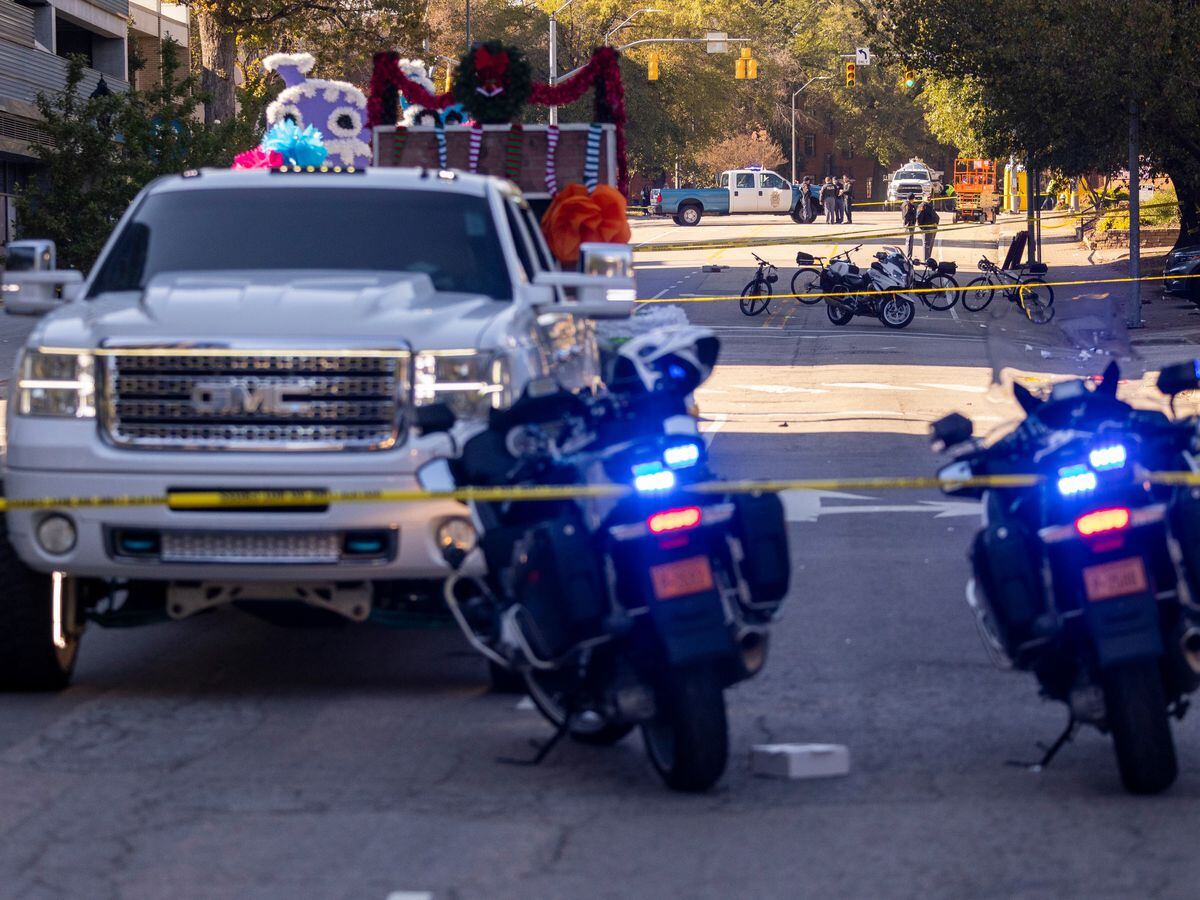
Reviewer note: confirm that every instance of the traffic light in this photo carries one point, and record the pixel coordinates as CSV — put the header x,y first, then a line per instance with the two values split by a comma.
x,y
746,66
851,71
910,78
652,68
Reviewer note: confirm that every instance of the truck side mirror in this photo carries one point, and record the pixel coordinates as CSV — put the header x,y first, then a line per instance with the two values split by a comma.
x,y
608,260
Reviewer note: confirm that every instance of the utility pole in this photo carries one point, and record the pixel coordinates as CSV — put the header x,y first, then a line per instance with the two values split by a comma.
x,y
794,94
1133,316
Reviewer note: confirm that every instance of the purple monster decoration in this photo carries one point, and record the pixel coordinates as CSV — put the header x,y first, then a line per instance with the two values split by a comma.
x,y
337,109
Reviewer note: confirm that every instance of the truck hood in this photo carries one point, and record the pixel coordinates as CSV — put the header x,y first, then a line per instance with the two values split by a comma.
x,y
302,307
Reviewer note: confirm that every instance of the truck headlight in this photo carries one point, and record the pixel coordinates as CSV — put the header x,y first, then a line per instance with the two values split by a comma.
x,y
469,382
58,383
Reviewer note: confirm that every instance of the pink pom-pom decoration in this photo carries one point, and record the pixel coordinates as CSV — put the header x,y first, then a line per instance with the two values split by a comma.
x,y
258,158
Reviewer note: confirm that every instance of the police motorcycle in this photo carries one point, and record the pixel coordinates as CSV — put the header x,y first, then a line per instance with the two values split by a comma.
x,y
1088,578
876,291
636,599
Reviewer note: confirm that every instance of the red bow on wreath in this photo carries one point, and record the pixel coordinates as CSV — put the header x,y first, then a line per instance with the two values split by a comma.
x,y
490,69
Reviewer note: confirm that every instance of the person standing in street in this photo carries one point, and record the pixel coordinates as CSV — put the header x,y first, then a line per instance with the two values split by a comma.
x,y
848,198
841,202
829,200
927,221
808,211
908,218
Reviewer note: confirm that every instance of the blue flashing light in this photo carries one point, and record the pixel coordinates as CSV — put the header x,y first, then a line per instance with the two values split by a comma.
x,y
1112,457
682,456
654,482
1076,480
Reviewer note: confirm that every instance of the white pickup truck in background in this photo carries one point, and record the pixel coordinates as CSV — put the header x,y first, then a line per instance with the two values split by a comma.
x,y
283,332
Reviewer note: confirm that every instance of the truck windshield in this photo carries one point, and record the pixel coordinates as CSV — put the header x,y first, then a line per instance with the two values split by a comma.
x,y
20,259
914,174
451,237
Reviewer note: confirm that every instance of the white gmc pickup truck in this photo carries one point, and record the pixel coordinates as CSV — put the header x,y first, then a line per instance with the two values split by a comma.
x,y
273,331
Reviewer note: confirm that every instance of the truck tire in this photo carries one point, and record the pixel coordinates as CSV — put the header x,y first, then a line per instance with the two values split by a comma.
x,y
690,215
29,660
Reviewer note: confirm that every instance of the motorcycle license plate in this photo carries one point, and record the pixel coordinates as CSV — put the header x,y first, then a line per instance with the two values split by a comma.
x,y
681,578
1115,579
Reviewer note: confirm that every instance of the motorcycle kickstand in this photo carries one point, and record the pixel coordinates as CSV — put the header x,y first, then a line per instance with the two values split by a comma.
x,y
543,749
1063,739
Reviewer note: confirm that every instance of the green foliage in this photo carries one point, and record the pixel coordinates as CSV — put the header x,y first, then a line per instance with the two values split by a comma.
x,y
103,150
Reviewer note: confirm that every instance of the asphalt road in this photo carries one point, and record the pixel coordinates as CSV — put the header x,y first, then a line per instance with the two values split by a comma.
x,y
223,757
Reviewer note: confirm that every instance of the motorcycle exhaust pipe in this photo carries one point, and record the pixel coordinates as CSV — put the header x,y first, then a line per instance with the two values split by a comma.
x,y
753,644
1190,645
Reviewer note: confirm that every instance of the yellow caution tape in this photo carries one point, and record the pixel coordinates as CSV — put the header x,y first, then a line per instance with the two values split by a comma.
x,y
183,501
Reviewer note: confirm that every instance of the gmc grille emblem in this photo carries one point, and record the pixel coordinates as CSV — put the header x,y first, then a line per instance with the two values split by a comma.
x,y
229,398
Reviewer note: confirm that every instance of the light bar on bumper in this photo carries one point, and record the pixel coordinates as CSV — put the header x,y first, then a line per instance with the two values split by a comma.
x,y
59,383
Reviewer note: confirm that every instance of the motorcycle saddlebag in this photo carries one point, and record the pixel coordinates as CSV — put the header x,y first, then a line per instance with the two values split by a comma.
x,y
762,529
1007,562
559,583
1185,526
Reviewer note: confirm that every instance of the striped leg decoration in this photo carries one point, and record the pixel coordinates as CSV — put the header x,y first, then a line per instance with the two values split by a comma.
x,y
551,169
476,143
591,160
440,133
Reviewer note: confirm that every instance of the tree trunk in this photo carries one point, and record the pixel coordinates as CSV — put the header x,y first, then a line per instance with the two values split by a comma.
x,y
1188,192
218,55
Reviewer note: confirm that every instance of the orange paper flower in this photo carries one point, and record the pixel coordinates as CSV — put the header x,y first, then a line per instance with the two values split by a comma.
x,y
576,217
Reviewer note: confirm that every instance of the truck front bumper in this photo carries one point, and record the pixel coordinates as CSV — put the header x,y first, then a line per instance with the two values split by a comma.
x,y
311,544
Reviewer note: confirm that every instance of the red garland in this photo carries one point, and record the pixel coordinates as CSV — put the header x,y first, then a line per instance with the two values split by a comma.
x,y
602,72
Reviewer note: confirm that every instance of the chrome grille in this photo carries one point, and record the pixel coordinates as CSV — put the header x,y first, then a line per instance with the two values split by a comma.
x,y
254,401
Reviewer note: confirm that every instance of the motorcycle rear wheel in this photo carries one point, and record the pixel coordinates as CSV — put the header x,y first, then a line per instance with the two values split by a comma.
x,y
1137,715
688,740
839,312
589,727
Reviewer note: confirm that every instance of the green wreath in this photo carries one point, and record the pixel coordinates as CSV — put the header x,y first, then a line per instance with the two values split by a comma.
x,y
493,83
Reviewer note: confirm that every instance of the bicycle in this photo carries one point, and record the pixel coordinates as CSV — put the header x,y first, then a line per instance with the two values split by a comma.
x,y
1036,302
936,276
758,290
808,279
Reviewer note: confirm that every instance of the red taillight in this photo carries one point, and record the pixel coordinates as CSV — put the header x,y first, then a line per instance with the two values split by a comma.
x,y
674,519
1102,520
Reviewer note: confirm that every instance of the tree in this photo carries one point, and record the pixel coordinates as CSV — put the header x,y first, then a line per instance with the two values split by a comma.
x,y
740,150
82,187
1046,79
103,150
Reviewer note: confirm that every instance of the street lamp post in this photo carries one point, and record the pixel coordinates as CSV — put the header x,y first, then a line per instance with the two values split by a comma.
x,y
796,93
629,18
554,54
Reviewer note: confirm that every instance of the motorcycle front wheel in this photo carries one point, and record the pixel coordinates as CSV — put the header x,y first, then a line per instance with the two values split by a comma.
x,y
897,312
589,727
688,739
1137,716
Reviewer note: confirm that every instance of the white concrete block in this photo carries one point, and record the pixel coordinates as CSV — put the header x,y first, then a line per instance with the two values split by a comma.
x,y
800,760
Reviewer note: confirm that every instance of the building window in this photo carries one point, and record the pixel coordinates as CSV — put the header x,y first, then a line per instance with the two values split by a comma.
x,y
71,40
810,145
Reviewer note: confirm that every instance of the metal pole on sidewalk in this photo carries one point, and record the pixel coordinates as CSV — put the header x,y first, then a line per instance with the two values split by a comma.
x,y
1030,224
1133,317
